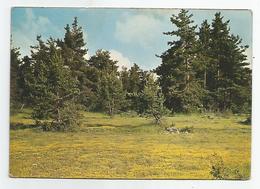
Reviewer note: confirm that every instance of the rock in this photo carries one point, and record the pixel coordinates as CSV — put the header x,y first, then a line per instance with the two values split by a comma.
x,y
172,130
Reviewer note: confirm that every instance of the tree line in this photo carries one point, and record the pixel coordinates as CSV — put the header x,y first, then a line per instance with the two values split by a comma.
x,y
204,69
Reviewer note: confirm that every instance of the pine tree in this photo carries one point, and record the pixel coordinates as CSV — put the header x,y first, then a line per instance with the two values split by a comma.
x,y
107,84
203,58
134,79
15,88
110,93
228,65
73,48
204,65
25,74
151,100
176,73
124,76
52,87
103,62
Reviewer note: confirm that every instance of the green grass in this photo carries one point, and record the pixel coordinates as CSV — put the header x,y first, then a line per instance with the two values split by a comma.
x,y
130,147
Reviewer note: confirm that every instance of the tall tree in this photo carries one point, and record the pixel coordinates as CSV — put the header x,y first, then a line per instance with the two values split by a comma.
x,y
110,93
176,73
205,65
53,89
230,62
73,48
107,84
15,88
103,62
203,58
124,76
134,79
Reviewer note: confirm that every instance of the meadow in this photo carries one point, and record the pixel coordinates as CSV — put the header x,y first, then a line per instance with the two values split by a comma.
x,y
131,147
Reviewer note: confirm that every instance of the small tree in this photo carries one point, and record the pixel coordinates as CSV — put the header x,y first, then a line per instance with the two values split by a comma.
x,y
151,100
110,93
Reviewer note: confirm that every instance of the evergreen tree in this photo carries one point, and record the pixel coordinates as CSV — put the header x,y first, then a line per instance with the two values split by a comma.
x,y
176,73
124,76
110,93
73,48
15,88
151,100
103,62
25,75
204,65
134,79
108,86
228,65
203,58
52,87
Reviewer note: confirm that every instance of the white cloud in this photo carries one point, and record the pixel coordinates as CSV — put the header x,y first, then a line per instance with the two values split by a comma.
x,y
122,60
24,35
143,29
249,55
87,56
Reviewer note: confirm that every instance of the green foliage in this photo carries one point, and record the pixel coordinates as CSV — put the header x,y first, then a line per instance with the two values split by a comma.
x,y
68,120
51,85
73,51
176,73
220,172
205,70
15,88
134,85
151,100
110,93
226,77
186,129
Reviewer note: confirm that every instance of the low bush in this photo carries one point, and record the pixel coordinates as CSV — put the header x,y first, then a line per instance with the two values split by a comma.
x,y
68,119
186,129
219,171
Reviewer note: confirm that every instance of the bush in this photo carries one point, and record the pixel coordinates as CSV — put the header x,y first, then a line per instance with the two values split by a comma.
x,y
68,119
186,130
220,172
247,121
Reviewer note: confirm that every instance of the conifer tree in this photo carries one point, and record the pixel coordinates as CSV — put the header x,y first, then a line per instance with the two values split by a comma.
x,y
53,89
73,48
15,88
108,88
134,79
151,100
228,65
176,73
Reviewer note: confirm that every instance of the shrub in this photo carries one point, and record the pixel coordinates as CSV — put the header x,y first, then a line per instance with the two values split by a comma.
x,y
220,172
68,119
186,130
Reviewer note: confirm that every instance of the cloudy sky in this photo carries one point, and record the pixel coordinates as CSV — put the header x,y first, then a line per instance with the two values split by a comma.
x,y
131,35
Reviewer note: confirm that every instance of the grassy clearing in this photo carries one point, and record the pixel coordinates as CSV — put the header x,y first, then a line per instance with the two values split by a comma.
x,y
130,147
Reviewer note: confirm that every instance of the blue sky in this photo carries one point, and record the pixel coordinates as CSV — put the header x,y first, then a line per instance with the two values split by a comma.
x,y
131,35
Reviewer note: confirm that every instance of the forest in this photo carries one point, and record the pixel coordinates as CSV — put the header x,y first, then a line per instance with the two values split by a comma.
x,y
204,71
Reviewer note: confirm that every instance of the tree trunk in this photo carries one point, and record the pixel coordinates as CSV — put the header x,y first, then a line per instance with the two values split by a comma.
x,y
205,78
22,107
